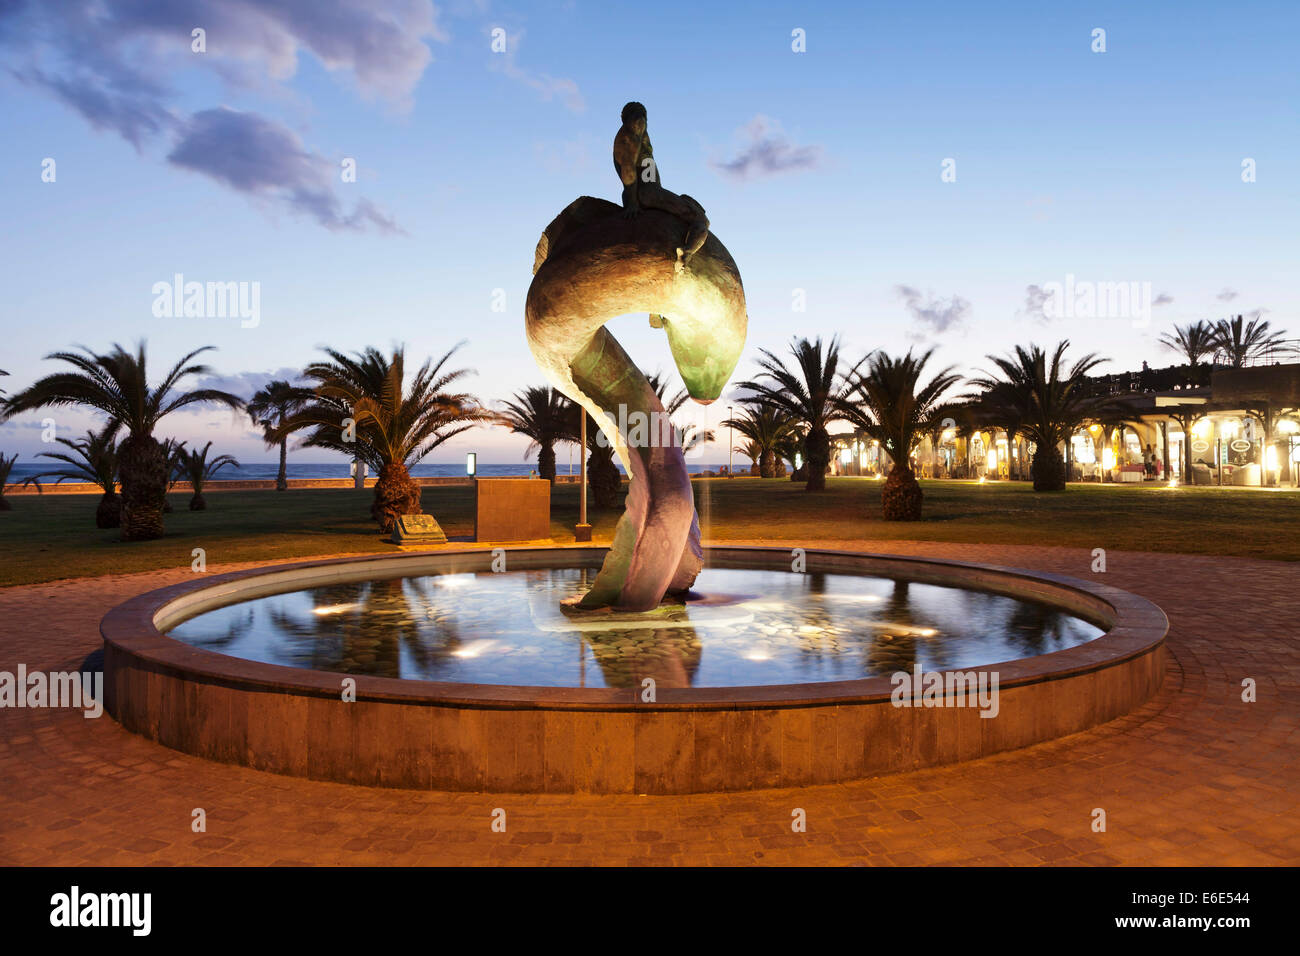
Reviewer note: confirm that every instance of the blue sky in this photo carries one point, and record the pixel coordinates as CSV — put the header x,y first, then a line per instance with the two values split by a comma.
x,y
820,171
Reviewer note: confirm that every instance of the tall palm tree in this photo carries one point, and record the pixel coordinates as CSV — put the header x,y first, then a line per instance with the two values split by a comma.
x,y
365,408
96,463
117,384
1242,341
810,393
544,415
767,428
887,401
1195,341
6,466
196,467
270,408
1050,401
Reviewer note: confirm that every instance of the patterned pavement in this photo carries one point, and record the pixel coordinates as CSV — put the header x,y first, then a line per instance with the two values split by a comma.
x,y
1196,776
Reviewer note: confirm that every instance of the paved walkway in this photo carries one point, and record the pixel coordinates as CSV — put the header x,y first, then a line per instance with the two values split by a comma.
x,y
1196,776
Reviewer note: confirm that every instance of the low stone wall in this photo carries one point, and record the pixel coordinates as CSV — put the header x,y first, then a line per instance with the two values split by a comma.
x,y
446,736
248,484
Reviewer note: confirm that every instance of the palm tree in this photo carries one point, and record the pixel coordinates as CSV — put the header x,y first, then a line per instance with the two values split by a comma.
x,y
1049,401
544,415
6,466
365,408
271,407
767,429
173,452
810,394
96,463
195,466
1242,341
888,403
117,384
1195,341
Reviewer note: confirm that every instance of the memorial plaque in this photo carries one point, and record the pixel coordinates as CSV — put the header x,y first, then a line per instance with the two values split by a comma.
x,y
418,529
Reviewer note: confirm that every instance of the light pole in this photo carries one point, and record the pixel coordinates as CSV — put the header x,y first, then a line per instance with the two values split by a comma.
x,y
731,443
583,531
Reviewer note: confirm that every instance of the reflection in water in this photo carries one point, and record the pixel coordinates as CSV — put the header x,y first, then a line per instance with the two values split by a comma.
x,y
742,627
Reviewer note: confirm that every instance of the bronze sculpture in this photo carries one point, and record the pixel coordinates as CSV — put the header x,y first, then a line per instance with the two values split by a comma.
x,y
595,262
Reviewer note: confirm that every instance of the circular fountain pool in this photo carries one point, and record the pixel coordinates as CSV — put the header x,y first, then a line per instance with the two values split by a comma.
x,y
740,627
429,670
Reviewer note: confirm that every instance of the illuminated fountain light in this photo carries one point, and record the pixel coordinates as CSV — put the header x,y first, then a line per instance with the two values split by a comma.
x,y
902,629
454,581
325,609
757,654
474,648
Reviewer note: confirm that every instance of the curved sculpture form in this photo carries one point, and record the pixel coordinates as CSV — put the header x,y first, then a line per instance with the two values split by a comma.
x,y
592,265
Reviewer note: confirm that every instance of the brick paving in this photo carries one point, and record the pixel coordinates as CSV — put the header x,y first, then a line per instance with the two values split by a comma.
x,y
1196,776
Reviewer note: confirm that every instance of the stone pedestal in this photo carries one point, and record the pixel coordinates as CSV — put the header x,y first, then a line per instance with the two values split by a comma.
x,y
512,509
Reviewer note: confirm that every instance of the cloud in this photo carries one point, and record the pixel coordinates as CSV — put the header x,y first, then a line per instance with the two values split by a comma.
x,y
768,152
1164,298
1227,295
261,158
1035,298
939,315
113,62
247,384
546,86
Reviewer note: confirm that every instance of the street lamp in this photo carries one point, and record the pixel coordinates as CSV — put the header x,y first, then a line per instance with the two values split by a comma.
x,y
471,464
583,530
731,443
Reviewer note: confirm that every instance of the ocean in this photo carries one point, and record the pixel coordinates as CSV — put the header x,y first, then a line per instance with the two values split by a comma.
x,y
268,470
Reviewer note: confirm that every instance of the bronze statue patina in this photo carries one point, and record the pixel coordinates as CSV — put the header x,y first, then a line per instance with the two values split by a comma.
x,y
593,263
634,160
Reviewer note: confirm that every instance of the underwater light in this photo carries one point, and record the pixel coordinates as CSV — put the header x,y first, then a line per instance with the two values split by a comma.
x,y
334,608
473,648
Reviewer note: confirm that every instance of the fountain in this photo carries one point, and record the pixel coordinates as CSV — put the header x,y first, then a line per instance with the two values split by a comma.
x,y
653,666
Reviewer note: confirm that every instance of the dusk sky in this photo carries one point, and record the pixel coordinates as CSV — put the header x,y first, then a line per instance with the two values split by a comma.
x,y
821,171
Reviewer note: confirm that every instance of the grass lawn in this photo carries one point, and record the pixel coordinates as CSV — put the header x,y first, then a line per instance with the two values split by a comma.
x,y
54,536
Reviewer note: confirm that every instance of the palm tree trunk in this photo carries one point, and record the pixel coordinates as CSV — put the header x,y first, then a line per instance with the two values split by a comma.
x,y
198,502
900,499
546,462
144,488
282,479
396,494
1049,469
604,480
108,513
817,455
767,464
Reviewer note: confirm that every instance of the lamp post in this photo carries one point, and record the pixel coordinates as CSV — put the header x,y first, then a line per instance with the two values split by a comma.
x,y
731,443
471,464
583,530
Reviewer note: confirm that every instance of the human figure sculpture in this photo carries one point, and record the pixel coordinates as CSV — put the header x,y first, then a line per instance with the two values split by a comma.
x,y
634,160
